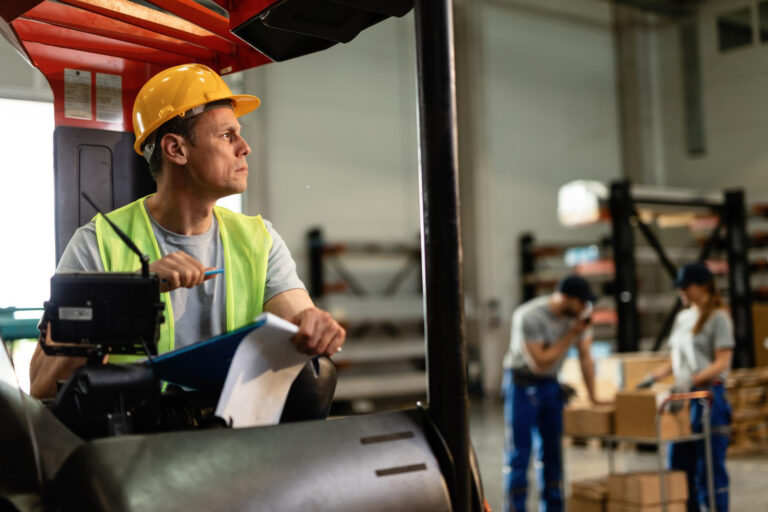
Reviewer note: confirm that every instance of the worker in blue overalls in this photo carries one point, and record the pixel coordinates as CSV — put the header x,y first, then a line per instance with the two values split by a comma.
x,y
701,344
543,330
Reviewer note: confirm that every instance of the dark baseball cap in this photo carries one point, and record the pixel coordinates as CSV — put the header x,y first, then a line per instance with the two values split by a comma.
x,y
693,273
577,287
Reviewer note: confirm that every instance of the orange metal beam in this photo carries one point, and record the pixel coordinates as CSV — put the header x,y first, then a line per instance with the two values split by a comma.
x,y
78,19
199,15
34,31
156,21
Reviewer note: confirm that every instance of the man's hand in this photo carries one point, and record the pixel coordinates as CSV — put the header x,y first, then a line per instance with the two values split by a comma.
x,y
579,327
319,333
179,269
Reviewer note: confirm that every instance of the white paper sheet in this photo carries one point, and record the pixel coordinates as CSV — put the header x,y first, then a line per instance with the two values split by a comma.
x,y
264,366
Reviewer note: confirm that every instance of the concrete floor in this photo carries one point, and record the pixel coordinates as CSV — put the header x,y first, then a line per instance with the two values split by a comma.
x,y
749,475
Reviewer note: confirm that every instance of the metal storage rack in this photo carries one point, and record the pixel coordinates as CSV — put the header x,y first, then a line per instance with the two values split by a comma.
x,y
623,204
374,289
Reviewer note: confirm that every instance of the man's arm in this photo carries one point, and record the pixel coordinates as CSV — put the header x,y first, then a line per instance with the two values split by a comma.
x,y
545,356
319,333
588,368
45,371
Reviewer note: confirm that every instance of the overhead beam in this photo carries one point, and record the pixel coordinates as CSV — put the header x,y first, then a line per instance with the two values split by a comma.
x,y
36,32
63,15
156,21
662,7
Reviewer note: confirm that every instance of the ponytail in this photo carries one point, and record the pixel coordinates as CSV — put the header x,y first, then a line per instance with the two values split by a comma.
x,y
714,302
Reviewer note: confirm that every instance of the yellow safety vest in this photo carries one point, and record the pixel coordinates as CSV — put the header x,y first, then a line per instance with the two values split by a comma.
x,y
246,243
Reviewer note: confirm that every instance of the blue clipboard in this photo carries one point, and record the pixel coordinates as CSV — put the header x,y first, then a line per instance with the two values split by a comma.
x,y
204,365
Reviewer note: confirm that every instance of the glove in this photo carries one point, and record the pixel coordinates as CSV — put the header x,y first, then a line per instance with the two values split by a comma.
x,y
680,386
566,392
647,382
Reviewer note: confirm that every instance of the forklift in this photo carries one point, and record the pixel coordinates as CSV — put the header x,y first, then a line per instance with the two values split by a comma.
x,y
96,54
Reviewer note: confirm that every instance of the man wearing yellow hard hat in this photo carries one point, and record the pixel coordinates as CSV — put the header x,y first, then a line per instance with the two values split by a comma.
x,y
185,120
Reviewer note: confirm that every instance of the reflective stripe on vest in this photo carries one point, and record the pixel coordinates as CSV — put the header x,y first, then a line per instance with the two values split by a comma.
x,y
245,242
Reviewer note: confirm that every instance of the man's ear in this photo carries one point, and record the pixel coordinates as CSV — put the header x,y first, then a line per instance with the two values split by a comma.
x,y
174,147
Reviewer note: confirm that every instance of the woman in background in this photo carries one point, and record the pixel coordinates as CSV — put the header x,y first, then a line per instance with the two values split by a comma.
x,y
701,344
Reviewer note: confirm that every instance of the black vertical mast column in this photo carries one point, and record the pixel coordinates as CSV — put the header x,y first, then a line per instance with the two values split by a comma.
x,y
625,285
737,243
440,236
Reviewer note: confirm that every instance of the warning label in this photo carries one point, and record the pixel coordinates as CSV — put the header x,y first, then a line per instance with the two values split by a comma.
x,y
77,94
109,98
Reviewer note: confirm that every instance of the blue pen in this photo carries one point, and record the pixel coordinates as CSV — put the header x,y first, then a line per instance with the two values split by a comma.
x,y
207,273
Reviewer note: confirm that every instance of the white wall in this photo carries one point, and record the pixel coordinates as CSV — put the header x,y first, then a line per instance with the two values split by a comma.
x,y
552,117
735,109
340,140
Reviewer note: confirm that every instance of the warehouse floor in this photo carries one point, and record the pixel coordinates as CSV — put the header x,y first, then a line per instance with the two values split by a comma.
x,y
748,474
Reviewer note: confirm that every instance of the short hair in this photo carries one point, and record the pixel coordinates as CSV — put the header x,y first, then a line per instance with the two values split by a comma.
x,y
183,126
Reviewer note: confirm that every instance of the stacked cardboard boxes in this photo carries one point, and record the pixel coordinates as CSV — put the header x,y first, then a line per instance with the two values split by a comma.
x,y
641,492
589,495
748,394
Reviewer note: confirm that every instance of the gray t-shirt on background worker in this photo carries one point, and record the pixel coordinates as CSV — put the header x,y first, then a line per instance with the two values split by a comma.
x,y
691,353
200,312
534,321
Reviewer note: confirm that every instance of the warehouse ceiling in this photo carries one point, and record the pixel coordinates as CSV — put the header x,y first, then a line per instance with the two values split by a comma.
x,y
672,8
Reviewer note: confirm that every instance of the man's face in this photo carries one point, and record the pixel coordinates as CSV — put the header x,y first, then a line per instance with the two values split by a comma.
x,y
572,307
216,163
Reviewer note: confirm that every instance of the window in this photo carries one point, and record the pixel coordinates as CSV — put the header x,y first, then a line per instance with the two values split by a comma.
x,y
734,28
27,260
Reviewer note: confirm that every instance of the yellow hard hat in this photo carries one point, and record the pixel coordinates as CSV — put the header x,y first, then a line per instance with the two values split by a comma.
x,y
174,91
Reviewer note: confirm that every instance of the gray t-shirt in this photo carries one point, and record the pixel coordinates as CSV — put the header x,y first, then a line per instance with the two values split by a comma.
x,y
691,353
200,312
535,322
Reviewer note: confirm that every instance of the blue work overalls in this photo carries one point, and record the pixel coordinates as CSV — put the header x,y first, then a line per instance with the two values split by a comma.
x,y
533,413
690,456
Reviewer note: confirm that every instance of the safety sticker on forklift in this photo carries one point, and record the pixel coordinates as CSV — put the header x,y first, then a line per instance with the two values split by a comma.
x,y
109,98
77,94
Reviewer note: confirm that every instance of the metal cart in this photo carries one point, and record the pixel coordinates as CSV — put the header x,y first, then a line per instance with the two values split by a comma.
x,y
705,396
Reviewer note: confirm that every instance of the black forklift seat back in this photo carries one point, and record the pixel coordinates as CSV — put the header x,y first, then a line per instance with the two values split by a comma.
x,y
311,394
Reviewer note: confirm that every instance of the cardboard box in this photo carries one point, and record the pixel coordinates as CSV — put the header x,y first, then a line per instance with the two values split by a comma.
x,y
644,488
578,504
588,421
612,373
760,333
594,489
617,506
636,365
636,411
